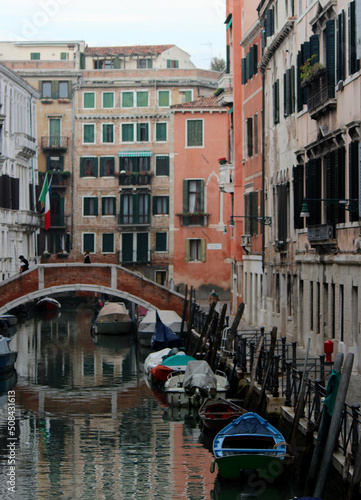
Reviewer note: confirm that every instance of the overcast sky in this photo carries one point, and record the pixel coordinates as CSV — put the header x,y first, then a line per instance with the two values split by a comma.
x,y
196,26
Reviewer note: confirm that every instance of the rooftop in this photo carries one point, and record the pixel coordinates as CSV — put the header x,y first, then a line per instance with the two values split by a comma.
x,y
131,50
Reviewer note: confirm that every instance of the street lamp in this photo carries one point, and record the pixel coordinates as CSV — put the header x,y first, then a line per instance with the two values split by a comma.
x,y
265,220
351,205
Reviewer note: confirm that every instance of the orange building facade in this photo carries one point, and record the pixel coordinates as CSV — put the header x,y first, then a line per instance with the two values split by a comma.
x,y
201,246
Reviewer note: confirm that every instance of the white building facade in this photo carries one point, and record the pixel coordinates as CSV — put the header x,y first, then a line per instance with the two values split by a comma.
x,y
19,221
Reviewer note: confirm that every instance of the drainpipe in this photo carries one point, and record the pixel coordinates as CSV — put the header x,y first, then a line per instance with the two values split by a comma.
x,y
263,168
33,208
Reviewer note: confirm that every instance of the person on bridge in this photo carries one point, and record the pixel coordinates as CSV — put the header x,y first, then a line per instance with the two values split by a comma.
x,y
86,257
24,266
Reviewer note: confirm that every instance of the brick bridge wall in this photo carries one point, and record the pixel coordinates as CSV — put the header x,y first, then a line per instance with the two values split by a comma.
x,y
111,276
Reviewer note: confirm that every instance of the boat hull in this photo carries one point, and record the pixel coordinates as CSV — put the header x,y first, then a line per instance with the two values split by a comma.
x,y
112,327
267,466
217,413
7,361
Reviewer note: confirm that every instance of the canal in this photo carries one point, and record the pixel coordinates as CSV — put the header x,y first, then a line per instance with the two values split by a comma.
x,y
87,426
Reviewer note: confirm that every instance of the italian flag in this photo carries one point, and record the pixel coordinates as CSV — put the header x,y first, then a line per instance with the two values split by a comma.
x,y
44,198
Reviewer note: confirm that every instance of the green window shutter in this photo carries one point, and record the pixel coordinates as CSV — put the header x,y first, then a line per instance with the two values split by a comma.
x,y
89,134
154,205
63,56
89,242
142,247
243,71
188,95
107,166
127,132
202,194
82,60
161,242
293,85
185,196
108,243
116,63
169,63
142,99
149,63
162,165
330,55
203,250
108,99
54,89
127,247
161,132
341,46
187,251
82,166
167,204
353,63
89,100
96,202
34,55
194,133
108,133
164,98
127,99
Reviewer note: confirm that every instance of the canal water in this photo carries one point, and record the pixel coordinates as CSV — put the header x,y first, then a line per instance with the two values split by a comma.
x,y
87,426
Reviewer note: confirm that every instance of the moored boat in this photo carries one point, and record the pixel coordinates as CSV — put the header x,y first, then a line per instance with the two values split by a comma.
x,y
9,319
249,443
113,319
7,357
177,362
216,413
48,304
147,325
163,336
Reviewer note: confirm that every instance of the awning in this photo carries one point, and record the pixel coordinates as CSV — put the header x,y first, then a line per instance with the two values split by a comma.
x,y
134,154
229,23
230,110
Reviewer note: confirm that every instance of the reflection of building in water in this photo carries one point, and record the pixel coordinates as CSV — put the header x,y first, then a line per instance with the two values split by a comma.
x,y
92,427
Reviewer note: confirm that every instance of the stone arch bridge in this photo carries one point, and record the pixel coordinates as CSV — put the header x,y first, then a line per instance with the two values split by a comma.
x,y
52,279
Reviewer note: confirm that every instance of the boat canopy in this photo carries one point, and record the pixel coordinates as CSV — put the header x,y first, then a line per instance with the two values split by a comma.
x,y
169,318
163,336
199,375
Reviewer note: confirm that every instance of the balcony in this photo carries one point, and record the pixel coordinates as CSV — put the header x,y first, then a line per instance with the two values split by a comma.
x,y
322,235
321,95
134,178
225,82
54,143
25,146
60,180
134,220
134,257
226,178
28,221
193,219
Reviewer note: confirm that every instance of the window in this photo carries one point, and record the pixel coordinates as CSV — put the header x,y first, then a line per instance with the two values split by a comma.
x,y
249,137
193,196
134,208
163,98
162,165
127,99
282,215
142,132
142,99
46,89
160,242
276,102
255,129
108,243
289,92
353,27
98,63
161,132
187,95
161,277
135,247
160,205
108,205
144,63
107,166
54,132
172,63
88,167
63,56
63,90
34,55
90,206
89,133
134,163
249,64
108,132
89,100
127,132
195,250
108,99
55,163
194,133
298,195
89,242
251,212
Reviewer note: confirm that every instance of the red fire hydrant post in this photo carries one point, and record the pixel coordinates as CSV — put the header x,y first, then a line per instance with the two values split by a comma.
x,y
328,348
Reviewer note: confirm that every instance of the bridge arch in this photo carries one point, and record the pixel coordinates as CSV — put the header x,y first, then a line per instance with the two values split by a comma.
x,y
51,279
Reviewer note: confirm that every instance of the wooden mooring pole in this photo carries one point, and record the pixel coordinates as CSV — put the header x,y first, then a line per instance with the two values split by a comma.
x,y
334,426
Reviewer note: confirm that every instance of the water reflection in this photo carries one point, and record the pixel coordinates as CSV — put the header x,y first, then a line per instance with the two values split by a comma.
x,y
88,426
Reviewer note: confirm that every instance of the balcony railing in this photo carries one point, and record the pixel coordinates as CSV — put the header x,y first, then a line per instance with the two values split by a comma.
x,y
25,145
134,219
135,179
321,94
59,179
53,142
193,219
135,257
226,177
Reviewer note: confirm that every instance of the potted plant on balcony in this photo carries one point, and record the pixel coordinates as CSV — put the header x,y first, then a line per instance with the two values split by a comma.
x,y
222,161
310,71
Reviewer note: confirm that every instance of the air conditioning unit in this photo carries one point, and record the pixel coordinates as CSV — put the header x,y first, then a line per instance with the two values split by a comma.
x,y
246,240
